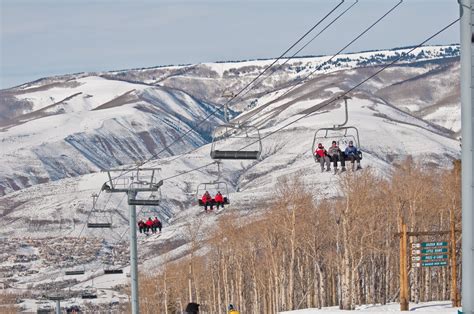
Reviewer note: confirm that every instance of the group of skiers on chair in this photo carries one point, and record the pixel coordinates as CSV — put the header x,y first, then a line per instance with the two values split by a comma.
x,y
334,154
207,200
150,225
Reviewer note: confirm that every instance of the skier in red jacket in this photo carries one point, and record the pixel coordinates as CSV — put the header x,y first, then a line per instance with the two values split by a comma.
x,y
157,225
219,199
322,157
141,226
207,200
149,224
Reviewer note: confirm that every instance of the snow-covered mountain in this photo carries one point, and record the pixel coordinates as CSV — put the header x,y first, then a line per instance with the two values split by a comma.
x,y
75,125
81,125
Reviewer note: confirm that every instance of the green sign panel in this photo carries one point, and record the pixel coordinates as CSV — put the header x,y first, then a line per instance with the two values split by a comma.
x,y
433,257
433,244
431,251
438,263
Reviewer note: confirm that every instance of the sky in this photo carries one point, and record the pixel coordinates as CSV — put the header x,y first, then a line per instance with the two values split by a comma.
x,y
40,38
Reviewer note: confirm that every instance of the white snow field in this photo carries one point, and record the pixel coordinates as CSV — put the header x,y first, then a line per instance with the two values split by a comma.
x,y
439,307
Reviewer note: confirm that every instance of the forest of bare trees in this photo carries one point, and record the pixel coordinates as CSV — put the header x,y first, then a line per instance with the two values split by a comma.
x,y
304,252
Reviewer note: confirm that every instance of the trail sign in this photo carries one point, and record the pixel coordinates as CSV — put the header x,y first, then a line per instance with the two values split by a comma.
x,y
433,244
433,257
437,263
431,251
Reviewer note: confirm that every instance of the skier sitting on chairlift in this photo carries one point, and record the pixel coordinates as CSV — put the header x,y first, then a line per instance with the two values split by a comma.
x,y
219,200
157,225
141,226
207,200
149,224
322,157
335,154
352,153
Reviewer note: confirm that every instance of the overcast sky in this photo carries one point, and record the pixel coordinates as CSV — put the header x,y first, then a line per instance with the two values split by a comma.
x,y
47,37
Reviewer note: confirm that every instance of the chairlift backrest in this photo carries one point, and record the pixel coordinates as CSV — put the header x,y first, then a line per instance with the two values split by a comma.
x,y
113,271
74,272
99,225
249,147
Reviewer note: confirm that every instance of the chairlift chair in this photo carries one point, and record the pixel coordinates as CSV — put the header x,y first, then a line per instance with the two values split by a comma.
x,y
113,271
98,216
153,200
89,294
340,133
74,272
227,134
213,186
114,268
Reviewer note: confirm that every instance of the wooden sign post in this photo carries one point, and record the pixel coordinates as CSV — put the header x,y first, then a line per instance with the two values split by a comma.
x,y
403,267
428,254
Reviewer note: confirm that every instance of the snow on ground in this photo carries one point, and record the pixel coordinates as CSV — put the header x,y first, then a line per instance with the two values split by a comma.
x,y
448,117
348,60
439,307
95,92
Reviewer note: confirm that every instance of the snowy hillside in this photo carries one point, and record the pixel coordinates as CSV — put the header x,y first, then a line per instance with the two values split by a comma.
x,y
77,126
88,124
60,209
424,307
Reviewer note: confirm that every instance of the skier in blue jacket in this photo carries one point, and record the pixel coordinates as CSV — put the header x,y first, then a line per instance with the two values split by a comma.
x,y
352,153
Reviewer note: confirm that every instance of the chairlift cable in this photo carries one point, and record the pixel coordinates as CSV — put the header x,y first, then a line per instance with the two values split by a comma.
x,y
337,53
188,171
284,53
279,66
325,62
212,113
327,103
220,107
304,46
322,64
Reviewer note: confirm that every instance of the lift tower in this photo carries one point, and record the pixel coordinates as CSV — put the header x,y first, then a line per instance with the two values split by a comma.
x,y
136,181
467,79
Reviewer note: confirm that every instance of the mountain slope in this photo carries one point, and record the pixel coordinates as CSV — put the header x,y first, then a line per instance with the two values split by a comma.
x,y
75,134
92,123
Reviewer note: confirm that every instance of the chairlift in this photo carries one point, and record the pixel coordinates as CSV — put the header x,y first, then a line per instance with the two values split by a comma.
x,y
246,138
89,294
74,272
341,133
98,216
153,200
113,269
214,187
